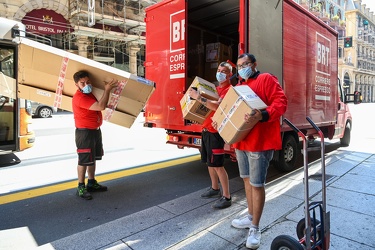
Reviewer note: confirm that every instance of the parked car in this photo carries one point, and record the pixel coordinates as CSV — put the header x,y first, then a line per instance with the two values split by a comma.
x,y
42,110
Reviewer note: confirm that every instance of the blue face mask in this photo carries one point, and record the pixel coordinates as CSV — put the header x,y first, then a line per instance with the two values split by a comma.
x,y
87,89
221,77
245,73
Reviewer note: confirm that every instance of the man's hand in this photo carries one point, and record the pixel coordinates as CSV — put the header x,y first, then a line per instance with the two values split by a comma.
x,y
214,124
255,115
193,93
110,84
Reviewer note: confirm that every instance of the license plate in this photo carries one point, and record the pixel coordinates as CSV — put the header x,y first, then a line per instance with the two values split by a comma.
x,y
197,141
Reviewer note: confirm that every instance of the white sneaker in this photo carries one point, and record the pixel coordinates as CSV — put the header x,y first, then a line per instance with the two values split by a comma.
x,y
253,240
243,222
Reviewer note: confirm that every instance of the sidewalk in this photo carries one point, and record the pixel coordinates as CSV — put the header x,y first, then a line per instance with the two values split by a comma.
x,y
189,222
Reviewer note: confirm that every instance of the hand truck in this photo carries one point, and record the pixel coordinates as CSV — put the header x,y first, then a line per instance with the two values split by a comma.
x,y
312,233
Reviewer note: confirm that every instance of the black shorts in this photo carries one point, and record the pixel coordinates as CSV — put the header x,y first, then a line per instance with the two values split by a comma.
x,y
212,150
89,146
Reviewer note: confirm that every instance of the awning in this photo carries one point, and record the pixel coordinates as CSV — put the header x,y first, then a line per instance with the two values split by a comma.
x,y
43,21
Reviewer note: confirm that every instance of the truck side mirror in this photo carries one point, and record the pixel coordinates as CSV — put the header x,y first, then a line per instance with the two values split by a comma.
x,y
15,32
357,97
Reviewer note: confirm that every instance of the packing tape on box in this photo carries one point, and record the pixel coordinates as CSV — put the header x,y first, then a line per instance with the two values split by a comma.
x,y
113,100
229,115
60,83
205,86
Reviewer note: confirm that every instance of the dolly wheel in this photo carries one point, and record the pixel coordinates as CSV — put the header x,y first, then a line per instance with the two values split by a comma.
x,y
301,229
285,242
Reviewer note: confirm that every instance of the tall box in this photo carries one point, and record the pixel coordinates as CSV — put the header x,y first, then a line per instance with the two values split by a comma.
x,y
230,114
194,110
50,81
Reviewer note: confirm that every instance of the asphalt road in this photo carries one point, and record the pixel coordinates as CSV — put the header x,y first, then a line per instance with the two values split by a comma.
x,y
59,214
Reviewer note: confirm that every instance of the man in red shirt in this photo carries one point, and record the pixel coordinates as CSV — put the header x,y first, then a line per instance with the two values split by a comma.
x,y
212,148
88,137
255,152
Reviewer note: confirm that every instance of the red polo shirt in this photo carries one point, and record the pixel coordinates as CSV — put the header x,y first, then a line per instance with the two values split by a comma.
x,y
83,117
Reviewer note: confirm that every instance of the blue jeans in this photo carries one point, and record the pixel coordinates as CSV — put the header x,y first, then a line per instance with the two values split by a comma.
x,y
254,165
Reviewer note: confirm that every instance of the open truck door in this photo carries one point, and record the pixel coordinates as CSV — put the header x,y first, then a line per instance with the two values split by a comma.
x,y
166,63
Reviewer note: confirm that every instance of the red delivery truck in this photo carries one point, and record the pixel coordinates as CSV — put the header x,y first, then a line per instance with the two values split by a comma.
x,y
186,39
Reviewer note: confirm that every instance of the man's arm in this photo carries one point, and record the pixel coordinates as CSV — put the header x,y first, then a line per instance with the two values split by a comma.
x,y
102,103
210,104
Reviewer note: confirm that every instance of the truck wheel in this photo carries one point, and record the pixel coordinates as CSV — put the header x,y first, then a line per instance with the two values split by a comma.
x,y
285,242
345,140
288,154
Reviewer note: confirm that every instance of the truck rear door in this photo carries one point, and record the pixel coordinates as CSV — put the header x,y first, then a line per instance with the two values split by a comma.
x,y
166,62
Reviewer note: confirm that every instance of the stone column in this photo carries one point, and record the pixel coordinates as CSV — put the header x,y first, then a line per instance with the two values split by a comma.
x,y
82,43
133,50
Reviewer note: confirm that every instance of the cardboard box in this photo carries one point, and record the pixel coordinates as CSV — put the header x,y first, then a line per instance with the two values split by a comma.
x,y
205,88
194,110
47,97
46,74
218,52
230,115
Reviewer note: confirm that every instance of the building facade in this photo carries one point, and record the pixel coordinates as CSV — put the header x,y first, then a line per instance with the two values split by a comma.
x,y
355,25
108,31
357,61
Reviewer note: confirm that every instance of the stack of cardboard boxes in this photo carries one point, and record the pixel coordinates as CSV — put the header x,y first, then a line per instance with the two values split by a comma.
x,y
215,54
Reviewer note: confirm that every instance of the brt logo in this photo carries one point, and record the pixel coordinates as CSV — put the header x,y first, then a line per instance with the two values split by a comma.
x,y
177,28
323,55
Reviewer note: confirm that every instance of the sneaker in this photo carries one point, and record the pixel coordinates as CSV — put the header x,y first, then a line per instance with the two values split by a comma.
x,y
253,240
211,193
222,203
96,187
82,192
243,222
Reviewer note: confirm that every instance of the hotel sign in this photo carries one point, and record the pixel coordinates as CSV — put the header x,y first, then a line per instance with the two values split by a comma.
x,y
46,22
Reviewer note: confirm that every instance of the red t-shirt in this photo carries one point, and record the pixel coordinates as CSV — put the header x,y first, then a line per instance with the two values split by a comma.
x,y
207,124
266,135
83,117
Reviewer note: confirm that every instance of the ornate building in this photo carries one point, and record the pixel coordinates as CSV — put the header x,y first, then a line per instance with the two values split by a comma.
x,y
108,31
357,61
355,25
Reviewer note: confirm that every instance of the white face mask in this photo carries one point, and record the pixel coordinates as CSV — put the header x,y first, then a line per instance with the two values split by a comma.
x,y
246,72
87,89
221,77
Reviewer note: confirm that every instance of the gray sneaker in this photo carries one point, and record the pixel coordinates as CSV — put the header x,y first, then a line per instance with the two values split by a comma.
x,y
211,193
253,240
243,222
222,203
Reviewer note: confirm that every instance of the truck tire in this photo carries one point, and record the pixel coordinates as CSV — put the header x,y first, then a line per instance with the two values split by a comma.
x,y
345,140
288,154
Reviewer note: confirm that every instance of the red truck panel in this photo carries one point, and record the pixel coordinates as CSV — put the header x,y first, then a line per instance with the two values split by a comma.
x,y
166,64
310,67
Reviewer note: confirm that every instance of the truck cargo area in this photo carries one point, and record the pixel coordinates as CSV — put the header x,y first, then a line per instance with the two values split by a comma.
x,y
211,22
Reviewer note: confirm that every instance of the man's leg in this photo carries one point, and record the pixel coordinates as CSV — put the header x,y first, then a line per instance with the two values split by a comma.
x,y
214,178
222,175
258,199
91,172
81,171
81,190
